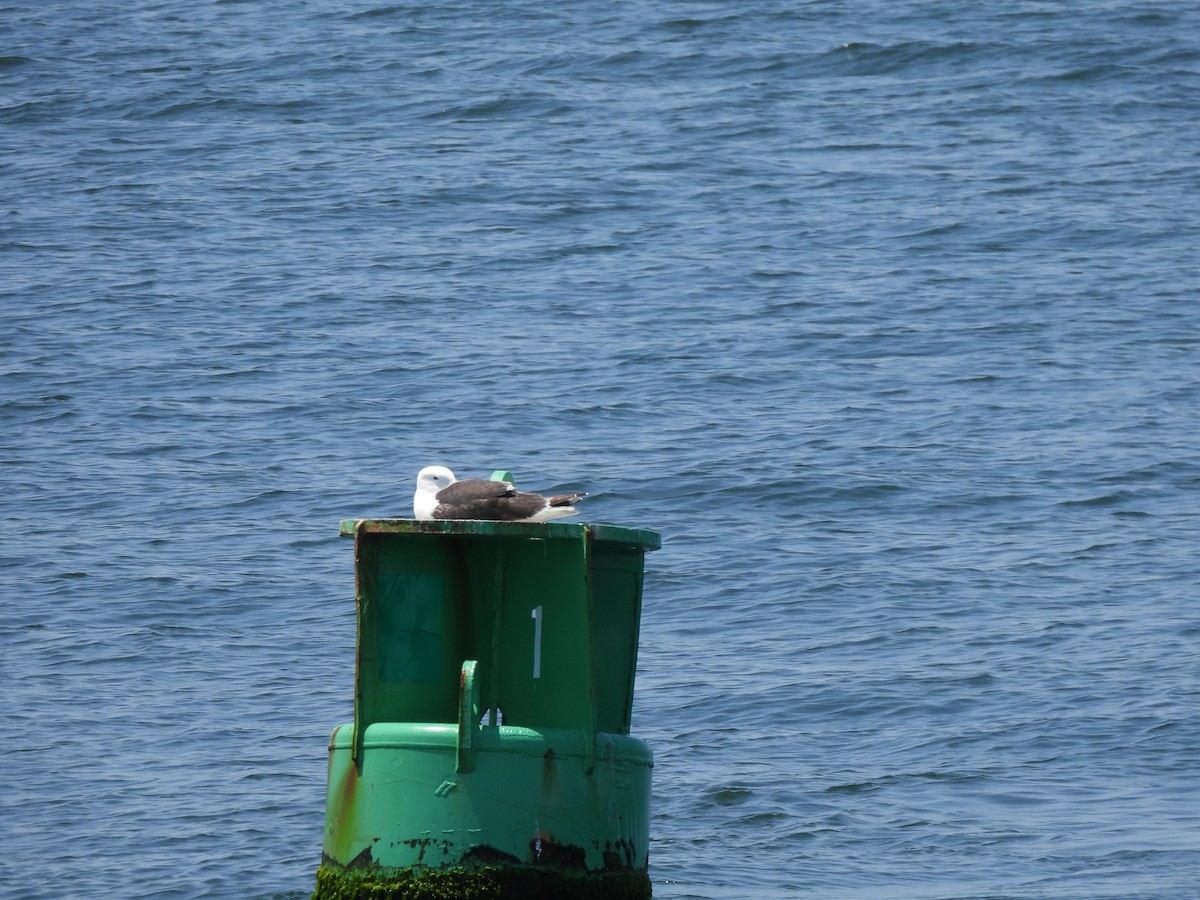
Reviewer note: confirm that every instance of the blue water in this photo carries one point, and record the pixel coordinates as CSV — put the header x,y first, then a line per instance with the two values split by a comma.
x,y
882,313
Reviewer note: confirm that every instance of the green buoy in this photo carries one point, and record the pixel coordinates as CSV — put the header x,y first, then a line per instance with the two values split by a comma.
x,y
490,753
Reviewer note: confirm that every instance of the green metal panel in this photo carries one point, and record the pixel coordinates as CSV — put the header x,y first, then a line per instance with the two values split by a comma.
x,y
616,575
550,612
410,640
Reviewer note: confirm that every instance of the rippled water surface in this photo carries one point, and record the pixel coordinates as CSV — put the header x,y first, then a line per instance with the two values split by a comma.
x,y
883,314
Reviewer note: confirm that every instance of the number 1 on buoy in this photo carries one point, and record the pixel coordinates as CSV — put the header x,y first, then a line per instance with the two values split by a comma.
x,y
537,641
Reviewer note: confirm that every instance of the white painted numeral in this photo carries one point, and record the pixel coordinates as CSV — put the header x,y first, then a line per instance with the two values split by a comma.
x,y
537,641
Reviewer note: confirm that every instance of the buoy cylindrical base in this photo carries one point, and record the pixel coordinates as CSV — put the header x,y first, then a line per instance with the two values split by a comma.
x,y
517,812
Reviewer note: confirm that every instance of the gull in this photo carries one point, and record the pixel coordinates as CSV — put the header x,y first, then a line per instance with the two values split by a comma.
x,y
442,496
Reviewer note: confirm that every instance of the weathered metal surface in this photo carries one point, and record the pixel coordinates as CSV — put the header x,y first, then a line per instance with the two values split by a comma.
x,y
468,716
552,623
530,799
614,534
493,692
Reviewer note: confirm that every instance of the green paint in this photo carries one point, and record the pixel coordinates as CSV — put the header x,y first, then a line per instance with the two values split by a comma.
x,y
532,796
433,594
490,753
